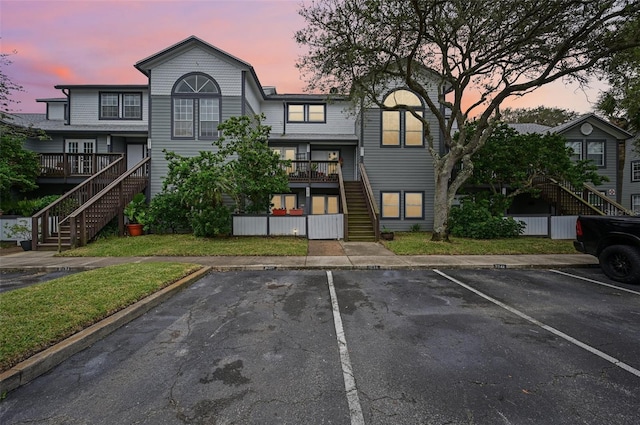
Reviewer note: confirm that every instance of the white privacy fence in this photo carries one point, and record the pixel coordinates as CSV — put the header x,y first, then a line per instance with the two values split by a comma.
x,y
330,226
554,227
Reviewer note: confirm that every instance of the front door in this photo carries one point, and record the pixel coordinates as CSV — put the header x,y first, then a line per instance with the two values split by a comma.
x,y
81,164
135,154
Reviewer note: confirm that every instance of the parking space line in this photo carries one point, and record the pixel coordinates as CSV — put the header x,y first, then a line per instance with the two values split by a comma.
x,y
355,410
595,281
554,331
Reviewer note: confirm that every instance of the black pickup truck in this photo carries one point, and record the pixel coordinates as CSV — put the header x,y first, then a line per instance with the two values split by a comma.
x,y
616,243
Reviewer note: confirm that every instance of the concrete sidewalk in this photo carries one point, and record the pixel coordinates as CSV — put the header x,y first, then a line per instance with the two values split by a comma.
x,y
336,255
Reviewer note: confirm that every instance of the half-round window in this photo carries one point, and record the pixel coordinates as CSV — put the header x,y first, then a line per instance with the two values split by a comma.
x,y
400,126
195,107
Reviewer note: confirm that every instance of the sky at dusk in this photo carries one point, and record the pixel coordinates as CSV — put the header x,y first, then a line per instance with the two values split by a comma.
x,y
99,42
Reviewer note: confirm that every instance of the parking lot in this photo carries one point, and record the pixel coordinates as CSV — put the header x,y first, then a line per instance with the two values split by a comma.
x,y
459,346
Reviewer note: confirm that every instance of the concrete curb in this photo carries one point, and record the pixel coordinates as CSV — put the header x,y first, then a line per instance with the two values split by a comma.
x,y
46,360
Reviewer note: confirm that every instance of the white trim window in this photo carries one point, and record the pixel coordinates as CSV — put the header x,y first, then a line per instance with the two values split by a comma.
x,y
635,171
401,127
120,106
635,204
595,152
196,107
576,148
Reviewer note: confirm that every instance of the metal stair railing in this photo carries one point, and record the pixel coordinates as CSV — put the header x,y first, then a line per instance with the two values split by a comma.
x,y
46,222
88,220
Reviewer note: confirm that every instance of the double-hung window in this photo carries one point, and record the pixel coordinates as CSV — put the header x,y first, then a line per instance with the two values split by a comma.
x,y
120,106
413,205
635,171
595,152
132,106
196,107
390,204
635,204
308,112
402,126
576,149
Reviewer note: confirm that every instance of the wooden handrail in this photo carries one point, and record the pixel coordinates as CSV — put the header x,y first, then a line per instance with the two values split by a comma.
x,y
343,201
48,219
605,206
75,164
86,221
374,213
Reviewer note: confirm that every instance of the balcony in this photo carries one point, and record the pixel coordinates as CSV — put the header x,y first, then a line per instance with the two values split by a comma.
x,y
64,165
313,171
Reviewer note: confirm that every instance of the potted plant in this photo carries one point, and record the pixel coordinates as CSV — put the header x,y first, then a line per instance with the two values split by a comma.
x,y
136,213
386,234
295,211
279,211
21,232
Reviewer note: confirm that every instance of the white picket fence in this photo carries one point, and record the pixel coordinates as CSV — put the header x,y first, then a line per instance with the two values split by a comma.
x,y
554,227
330,226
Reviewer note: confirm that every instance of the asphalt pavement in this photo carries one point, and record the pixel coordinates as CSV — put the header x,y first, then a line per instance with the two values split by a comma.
x,y
322,255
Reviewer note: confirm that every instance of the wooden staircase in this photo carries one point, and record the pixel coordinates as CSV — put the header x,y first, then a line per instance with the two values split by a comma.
x,y
84,216
587,200
359,222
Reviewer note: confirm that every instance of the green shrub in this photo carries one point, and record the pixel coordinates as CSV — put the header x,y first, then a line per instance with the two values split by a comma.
x,y
28,207
474,220
209,221
168,213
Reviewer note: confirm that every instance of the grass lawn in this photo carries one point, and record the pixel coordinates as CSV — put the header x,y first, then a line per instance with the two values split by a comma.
x,y
419,243
189,245
36,317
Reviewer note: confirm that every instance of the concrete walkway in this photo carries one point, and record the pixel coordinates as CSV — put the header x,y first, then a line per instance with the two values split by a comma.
x,y
322,255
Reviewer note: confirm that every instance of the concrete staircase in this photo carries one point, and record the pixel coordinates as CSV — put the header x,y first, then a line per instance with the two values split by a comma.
x,y
360,225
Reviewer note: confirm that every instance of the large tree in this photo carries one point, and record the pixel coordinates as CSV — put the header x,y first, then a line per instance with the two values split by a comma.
x,y
621,103
463,57
511,163
539,115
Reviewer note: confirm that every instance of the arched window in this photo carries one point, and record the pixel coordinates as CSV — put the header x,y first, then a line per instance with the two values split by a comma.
x,y
400,126
195,107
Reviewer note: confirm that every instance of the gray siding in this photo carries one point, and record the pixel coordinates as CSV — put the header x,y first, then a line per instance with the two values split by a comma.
x,y
228,76
85,105
629,187
610,156
398,169
160,134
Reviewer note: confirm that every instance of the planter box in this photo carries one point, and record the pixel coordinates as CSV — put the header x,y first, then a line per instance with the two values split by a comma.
x,y
296,211
279,211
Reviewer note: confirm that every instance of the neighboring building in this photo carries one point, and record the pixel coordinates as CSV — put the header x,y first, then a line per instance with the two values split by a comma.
x,y
193,86
631,176
590,137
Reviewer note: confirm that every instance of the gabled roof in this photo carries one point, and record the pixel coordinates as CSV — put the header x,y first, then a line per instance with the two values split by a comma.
x,y
528,128
145,65
595,120
103,86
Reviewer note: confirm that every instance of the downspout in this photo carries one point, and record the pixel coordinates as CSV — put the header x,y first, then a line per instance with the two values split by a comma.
x,y
68,117
149,135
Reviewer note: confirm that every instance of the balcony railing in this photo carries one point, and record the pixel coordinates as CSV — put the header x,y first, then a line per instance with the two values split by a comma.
x,y
313,171
62,165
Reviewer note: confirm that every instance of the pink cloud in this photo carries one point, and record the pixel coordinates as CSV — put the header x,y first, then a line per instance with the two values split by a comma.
x,y
98,42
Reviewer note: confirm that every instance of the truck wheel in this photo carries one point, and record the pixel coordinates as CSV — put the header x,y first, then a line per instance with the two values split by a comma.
x,y
621,263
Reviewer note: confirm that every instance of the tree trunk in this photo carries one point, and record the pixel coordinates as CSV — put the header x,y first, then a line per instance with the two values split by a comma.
x,y
441,208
